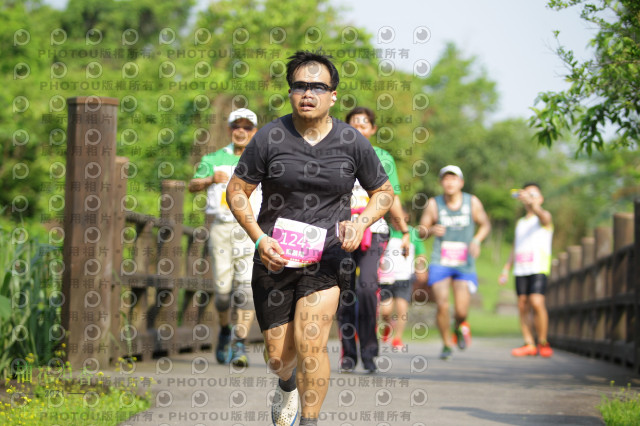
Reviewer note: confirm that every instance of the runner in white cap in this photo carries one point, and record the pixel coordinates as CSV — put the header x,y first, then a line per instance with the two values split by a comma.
x,y
229,245
451,219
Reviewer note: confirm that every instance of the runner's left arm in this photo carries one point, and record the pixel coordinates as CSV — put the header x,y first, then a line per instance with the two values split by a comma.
x,y
397,219
484,226
380,201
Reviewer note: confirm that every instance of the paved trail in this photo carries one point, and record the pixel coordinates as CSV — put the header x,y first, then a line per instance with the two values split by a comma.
x,y
481,386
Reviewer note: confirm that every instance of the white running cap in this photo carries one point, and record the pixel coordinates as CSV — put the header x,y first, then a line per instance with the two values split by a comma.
x,y
451,169
243,113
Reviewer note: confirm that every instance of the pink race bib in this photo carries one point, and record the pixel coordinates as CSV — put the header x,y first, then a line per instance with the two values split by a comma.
x,y
302,243
453,253
524,257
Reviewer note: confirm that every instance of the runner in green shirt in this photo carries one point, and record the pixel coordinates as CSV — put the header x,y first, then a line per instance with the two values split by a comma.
x,y
230,246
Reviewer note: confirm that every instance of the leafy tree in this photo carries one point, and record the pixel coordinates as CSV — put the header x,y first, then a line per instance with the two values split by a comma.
x,y
176,82
604,90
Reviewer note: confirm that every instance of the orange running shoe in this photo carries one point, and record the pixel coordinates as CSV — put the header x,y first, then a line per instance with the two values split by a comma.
x,y
462,335
386,333
397,343
545,350
525,350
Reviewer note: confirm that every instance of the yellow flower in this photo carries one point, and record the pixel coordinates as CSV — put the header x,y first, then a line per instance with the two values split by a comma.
x,y
9,391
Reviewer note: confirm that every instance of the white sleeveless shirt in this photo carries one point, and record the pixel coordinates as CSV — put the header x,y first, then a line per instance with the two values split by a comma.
x,y
532,247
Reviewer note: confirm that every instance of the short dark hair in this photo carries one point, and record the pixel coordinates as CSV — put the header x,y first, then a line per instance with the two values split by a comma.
x,y
532,184
362,110
303,57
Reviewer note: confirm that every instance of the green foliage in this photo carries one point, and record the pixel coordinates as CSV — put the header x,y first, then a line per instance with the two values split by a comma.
x,y
605,89
494,157
622,409
176,82
177,79
30,299
460,98
51,396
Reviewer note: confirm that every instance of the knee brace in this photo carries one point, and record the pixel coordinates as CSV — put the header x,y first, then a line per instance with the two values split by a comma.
x,y
243,296
222,302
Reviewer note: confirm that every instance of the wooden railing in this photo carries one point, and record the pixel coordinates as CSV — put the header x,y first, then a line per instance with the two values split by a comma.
x,y
133,285
594,294
166,284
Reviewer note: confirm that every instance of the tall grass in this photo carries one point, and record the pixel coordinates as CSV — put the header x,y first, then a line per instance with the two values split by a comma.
x,y
622,409
30,300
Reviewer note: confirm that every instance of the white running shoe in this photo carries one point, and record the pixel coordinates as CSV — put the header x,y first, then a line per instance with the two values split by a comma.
x,y
284,409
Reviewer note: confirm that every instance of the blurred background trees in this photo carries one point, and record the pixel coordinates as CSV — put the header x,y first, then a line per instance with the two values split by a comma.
x,y
178,74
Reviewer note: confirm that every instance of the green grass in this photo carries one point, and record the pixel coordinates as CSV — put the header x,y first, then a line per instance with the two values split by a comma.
x,y
492,258
622,409
489,324
70,404
30,298
30,304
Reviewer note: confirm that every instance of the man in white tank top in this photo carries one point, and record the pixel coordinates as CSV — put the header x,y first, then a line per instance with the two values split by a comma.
x,y
531,261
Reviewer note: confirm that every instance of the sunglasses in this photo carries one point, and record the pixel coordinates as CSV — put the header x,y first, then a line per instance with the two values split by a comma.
x,y
316,88
247,127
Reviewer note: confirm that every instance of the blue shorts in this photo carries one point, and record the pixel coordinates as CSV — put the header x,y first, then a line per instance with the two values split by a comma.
x,y
439,273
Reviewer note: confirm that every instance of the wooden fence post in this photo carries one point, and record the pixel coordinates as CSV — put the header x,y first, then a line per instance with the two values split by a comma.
x,y
88,227
588,291
171,264
142,297
563,292
574,290
636,284
575,264
603,236
622,237
120,192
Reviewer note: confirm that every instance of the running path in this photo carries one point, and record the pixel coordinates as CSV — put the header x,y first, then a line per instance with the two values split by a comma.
x,y
483,385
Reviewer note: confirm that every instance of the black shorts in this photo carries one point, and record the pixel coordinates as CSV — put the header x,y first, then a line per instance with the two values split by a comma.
x,y
398,290
531,284
275,294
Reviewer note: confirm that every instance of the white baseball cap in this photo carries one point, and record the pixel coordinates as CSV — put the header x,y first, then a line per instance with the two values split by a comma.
x,y
243,113
451,169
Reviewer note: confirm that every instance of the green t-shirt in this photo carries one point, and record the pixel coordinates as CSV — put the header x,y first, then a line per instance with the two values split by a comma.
x,y
360,198
394,266
413,237
389,165
226,161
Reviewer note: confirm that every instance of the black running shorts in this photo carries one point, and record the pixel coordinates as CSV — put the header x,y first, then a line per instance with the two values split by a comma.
x,y
275,293
531,284
398,290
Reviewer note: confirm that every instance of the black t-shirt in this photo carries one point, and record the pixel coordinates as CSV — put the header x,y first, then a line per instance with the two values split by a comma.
x,y
309,183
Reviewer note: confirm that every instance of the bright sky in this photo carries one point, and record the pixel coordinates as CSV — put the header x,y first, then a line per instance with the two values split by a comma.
x,y
512,39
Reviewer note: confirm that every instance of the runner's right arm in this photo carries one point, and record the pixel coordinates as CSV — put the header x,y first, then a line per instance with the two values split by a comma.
x,y
238,193
200,184
504,275
429,222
